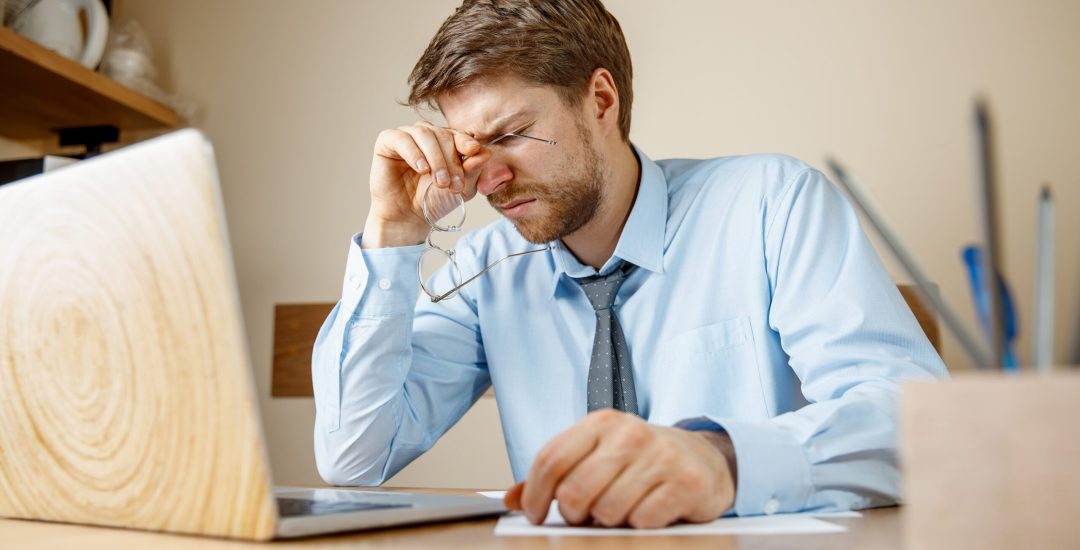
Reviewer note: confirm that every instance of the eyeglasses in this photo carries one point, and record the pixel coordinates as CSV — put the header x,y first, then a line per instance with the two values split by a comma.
x,y
439,200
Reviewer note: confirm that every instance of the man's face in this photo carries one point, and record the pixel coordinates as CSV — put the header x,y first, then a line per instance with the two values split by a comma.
x,y
546,191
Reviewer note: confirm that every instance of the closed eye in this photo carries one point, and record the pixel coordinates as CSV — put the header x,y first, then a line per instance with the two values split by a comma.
x,y
520,132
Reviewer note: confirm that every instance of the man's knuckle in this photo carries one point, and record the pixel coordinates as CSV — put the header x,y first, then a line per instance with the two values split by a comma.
x,y
605,416
605,515
643,519
686,480
662,509
635,436
571,494
572,514
419,130
664,455
674,500
542,458
548,462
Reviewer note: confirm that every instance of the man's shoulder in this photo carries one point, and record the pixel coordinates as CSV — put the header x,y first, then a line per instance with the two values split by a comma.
x,y
760,174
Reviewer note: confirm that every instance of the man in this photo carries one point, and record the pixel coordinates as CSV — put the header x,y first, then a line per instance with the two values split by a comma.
x,y
681,339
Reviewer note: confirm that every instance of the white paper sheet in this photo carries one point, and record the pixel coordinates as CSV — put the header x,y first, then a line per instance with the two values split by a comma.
x,y
515,524
845,514
779,524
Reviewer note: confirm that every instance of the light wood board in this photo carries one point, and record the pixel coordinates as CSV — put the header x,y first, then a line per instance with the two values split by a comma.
x,y
43,91
125,391
990,461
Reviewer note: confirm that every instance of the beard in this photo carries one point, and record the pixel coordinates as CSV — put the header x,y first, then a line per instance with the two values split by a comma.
x,y
568,203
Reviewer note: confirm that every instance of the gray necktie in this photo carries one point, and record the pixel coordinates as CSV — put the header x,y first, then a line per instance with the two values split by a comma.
x,y
611,378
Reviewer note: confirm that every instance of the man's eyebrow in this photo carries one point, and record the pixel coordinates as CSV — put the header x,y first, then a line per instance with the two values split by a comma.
x,y
500,126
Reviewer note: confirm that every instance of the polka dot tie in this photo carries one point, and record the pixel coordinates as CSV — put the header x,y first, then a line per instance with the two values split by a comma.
x,y
611,377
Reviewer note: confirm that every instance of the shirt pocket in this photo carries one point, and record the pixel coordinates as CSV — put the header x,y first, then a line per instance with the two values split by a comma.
x,y
709,371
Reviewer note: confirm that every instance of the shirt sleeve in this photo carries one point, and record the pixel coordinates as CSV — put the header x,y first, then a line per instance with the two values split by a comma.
x,y
390,374
851,340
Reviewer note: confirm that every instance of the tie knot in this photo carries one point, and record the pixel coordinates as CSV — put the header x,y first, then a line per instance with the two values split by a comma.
x,y
601,289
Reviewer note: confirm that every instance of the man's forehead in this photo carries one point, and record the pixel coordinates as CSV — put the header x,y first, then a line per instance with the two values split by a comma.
x,y
485,107
489,123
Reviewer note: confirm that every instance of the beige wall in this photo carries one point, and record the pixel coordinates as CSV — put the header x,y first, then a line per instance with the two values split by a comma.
x,y
293,94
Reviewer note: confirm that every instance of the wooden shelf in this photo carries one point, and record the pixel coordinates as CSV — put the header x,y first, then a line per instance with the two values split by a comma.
x,y
43,91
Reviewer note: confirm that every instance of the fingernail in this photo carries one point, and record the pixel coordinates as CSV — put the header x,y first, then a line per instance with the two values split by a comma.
x,y
458,185
422,165
471,144
443,177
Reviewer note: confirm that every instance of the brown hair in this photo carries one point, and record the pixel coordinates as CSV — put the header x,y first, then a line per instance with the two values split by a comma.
x,y
557,43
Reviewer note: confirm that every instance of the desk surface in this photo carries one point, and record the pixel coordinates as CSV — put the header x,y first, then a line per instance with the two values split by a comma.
x,y
876,530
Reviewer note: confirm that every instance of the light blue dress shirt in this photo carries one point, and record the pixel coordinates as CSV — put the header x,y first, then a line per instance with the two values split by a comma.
x,y
758,307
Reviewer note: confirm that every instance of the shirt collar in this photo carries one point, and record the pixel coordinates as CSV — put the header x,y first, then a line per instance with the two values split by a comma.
x,y
642,240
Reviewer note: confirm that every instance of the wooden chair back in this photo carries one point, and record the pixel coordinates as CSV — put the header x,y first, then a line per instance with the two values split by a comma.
x,y
295,327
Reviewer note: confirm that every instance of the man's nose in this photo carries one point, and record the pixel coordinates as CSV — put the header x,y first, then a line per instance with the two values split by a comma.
x,y
494,175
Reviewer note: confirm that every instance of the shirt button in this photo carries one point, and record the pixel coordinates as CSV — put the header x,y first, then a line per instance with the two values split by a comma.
x,y
354,281
385,284
771,506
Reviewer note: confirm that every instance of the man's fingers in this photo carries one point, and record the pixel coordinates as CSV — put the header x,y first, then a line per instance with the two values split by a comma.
x,y
450,153
613,506
662,506
474,166
447,140
465,144
553,461
580,488
396,144
426,140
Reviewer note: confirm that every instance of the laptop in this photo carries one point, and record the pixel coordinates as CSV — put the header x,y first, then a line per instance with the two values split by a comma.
x,y
126,390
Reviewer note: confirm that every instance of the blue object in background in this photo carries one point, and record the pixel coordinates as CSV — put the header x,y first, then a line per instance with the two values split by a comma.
x,y
974,261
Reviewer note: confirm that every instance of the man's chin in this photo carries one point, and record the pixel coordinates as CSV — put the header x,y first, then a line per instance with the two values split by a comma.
x,y
534,234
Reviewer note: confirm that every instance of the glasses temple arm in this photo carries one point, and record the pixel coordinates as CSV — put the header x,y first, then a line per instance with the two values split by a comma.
x,y
454,290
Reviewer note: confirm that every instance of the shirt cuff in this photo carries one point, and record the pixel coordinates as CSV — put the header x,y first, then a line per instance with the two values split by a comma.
x,y
774,474
384,278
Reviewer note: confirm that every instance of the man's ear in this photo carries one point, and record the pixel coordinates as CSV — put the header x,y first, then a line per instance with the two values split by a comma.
x,y
602,100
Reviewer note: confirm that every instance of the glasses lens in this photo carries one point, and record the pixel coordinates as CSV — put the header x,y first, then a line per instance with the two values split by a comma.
x,y
443,209
439,272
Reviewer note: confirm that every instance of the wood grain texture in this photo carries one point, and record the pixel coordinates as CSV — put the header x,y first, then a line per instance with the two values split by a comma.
x,y
126,396
43,91
295,328
296,325
924,314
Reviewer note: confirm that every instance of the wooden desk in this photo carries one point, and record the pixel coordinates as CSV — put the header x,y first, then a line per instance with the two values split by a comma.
x,y
876,530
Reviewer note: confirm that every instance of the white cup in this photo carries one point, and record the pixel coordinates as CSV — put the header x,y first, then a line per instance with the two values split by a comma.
x,y
55,24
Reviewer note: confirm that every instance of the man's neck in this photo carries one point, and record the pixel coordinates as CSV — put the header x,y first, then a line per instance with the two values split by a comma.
x,y
595,242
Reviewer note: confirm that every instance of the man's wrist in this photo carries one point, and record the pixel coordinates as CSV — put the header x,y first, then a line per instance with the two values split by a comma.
x,y
721,441
379,234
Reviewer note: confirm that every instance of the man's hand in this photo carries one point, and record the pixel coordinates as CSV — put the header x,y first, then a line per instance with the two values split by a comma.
x,y
405,162
616,469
